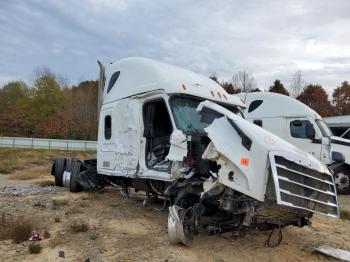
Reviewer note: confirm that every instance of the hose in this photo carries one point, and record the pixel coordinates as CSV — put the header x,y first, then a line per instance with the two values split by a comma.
x,y
279,239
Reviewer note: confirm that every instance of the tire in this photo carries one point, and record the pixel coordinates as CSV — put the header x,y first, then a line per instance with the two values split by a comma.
x,y
74,185
342,181
58,169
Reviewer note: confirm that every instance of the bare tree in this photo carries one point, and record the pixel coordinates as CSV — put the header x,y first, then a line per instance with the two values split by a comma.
x,y
297,84
243,81
214,77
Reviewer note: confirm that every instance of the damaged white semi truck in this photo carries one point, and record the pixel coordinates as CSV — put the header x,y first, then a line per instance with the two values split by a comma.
x,y
180,136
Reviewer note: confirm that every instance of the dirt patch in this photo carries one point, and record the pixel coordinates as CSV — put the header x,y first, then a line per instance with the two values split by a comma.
x,y
121,229
112,228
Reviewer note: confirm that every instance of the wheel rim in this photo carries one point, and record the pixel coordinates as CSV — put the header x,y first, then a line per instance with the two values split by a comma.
x,y
177,231
342,181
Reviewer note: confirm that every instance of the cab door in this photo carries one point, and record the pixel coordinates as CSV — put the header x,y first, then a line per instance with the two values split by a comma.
x,y
297,134
118,151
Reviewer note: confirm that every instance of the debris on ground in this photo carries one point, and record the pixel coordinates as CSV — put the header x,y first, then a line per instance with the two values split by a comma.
x,y
337,253
61,254
36,237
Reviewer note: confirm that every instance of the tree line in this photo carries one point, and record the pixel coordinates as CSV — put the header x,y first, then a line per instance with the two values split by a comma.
x,y
313,95
51,108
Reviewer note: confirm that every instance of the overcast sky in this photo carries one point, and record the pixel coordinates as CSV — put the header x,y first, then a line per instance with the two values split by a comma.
x,y
269,39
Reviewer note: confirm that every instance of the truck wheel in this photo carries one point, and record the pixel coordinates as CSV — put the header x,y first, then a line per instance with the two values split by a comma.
x,y
342,181
70,176
74,185
58,169
67,172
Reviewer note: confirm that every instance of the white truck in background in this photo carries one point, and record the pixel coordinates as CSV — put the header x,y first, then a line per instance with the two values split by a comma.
x,y
180,137
340,125
303,127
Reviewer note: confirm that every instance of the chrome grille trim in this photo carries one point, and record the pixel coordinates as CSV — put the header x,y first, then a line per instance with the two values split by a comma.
x,y
311,199
297,172
293,182
317,196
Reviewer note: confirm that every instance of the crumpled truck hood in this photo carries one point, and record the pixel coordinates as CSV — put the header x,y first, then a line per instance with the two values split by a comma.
x,y
245,166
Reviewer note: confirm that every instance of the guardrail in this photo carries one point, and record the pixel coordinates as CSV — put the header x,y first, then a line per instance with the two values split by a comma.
x,y
37,143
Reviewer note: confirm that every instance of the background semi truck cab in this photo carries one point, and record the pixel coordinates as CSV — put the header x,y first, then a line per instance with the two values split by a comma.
x,y
303,127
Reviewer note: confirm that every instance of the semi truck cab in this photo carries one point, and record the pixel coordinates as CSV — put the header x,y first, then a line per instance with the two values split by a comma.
x,y
303,127
180,137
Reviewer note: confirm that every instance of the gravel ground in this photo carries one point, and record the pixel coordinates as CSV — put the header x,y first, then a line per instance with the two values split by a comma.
x,y
27,189
123,230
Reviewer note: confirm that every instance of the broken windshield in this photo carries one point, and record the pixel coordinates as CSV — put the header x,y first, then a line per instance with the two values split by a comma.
x,y
188,119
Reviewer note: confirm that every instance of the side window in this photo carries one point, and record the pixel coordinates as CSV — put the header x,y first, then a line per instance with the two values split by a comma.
x,y
108,127
114,79
254,105
298,128
258,122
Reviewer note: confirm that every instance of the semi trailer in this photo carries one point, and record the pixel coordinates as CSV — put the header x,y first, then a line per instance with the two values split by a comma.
x,y
301,126
180,137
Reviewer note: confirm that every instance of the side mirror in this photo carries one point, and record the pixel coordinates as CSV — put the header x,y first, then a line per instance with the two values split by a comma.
x,y
338,157
310,131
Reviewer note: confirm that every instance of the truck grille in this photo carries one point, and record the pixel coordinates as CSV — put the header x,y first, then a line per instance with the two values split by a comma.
x,y
303,187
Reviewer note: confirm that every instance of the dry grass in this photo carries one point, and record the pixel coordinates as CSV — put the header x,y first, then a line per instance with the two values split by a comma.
x,y
29,174
345,214
16,228
74,210
12,159
47,234
58,202
78,226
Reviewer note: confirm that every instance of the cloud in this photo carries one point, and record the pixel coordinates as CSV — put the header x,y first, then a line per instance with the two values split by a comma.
x,y
269,39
